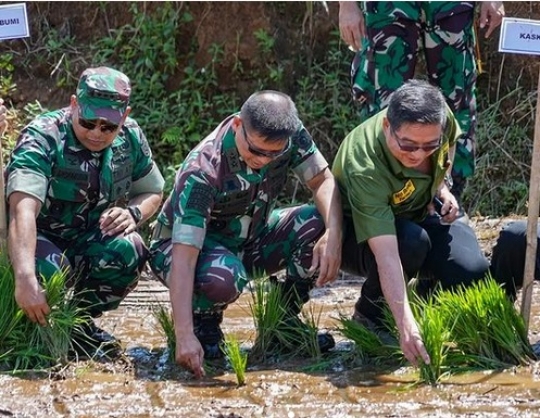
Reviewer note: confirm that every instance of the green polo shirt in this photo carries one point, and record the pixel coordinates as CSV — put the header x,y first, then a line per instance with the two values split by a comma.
x,y
377,188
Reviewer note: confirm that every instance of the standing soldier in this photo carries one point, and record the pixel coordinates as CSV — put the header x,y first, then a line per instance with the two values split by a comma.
x,y
79,182
219,226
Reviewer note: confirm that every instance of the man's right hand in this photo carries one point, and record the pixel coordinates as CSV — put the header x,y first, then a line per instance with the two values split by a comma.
x,y
351,24
189,353
30,297
411,343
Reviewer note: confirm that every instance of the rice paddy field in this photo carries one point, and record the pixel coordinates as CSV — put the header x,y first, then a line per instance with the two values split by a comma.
x,y
144,383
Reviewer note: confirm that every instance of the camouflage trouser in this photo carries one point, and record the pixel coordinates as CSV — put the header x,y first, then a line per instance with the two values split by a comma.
x,y
396,31
102,269
221,274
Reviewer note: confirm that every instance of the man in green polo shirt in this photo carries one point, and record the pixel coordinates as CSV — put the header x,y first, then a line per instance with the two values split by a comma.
x,y
390,170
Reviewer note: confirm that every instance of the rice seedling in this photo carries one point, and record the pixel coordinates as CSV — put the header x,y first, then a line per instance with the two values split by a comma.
x,y
166,324
278,331
435,331
25,345
236,358
470,329
368,345
487,327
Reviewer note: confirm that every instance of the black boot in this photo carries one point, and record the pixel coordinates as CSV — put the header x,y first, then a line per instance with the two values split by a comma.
x,y
206,326
88,340
295,293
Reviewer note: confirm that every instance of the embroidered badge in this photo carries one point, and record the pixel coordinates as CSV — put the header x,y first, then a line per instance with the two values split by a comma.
x,y
402,195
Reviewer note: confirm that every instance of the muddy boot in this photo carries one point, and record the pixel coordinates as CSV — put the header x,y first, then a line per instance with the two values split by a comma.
x,y
206,326
294,295
88,340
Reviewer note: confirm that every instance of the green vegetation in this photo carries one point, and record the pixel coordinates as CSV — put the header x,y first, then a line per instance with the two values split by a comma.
x,y
178,101
166,326
236,358
25,345
279,333
473,328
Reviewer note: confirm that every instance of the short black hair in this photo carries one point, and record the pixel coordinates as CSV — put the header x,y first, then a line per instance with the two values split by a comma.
x,y
271,114
416,101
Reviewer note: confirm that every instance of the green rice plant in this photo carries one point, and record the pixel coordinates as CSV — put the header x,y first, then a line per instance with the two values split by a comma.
x,y
279,332
368,345
236,358
435,331
267,314
166,323
486,325
25,345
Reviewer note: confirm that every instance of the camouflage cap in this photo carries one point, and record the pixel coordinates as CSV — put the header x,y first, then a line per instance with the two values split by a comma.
x,y
103,93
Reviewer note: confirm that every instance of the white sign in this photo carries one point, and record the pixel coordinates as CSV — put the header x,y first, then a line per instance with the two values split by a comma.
x,y
520,36
13,21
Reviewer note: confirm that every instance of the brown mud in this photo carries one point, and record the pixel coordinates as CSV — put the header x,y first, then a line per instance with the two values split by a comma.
x,y
144,384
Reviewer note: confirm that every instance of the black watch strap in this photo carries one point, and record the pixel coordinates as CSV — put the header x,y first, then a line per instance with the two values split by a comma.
x,y
135,213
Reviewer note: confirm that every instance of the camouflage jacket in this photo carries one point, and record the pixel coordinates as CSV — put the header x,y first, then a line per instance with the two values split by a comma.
x,y
74,184
218,197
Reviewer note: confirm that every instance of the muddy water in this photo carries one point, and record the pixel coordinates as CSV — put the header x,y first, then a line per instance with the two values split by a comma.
x,y
144,384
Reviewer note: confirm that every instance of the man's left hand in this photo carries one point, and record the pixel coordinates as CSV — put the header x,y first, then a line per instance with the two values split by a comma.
x,y
450,207
115,221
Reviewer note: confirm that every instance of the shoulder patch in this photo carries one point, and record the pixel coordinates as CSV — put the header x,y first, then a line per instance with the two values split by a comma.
x,y
200,198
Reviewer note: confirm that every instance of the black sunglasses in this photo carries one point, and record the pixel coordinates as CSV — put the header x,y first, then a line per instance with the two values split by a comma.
x,y
262,152
103,127
413,148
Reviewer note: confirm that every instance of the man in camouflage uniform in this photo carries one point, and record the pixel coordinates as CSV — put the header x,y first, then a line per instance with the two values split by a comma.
x,y
79,182
387,38
219,226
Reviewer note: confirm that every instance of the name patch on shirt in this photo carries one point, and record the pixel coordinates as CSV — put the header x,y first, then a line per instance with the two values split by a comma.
x,y
402,195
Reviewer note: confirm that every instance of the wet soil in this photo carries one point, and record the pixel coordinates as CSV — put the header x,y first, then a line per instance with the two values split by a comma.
x,y
144,384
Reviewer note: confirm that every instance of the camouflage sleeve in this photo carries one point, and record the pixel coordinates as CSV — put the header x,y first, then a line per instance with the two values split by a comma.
x,y
30,165
192,201
147,177
307,160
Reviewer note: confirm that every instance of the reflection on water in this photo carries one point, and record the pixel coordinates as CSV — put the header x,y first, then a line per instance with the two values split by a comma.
x,y
146,385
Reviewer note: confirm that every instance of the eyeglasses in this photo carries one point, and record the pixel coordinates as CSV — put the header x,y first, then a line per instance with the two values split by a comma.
x,y
103,126
429,147
262,152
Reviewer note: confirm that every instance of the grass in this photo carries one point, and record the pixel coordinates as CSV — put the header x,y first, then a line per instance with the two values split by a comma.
x,y
166,324
236,358
368,345
473,328
25,345
278,333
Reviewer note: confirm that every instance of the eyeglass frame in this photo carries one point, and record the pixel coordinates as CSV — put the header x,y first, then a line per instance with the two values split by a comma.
x,y
90,125
414,148
253,149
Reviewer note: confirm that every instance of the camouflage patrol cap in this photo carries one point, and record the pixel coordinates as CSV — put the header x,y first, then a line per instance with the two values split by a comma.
x,y
103,93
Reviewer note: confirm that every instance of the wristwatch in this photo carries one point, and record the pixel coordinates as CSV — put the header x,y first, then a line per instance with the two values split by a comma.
x,y
135,213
